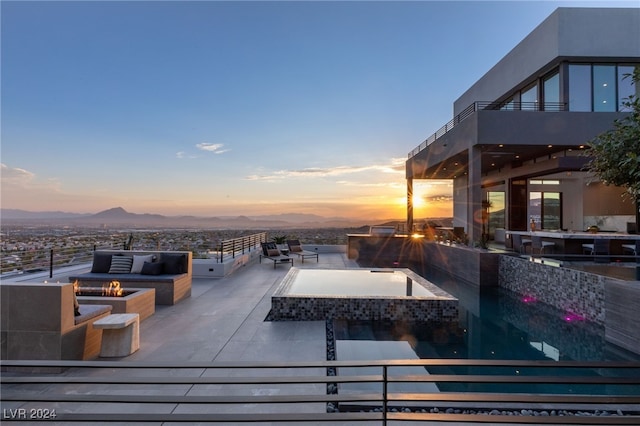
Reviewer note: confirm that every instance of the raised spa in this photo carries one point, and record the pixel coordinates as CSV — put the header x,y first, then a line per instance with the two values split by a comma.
x,y
360,294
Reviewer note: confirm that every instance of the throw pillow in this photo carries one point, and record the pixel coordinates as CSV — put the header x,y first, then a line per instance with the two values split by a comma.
x,y
273,252
173,263
101,262
120,264
152,268
138,262
295,249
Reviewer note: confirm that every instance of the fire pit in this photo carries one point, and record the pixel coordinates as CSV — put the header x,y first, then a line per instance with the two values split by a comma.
x,y
123,300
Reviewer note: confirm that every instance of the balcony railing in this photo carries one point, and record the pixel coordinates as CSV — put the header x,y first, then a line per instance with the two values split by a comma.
x,y
378,391
19,262
229,249
477,106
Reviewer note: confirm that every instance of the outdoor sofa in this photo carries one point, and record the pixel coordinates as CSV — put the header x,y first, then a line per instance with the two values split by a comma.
x,y
168,272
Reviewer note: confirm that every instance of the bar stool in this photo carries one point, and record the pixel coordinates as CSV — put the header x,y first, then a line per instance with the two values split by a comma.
x,y
539,245
520,243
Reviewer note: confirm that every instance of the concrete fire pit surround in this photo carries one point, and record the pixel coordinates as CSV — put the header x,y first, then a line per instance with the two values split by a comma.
x,y
140,301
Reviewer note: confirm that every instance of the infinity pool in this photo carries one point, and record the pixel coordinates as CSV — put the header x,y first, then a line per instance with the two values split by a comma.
x,y
360,294
493,324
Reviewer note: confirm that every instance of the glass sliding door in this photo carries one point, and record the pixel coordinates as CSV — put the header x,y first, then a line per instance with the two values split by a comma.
x,y
551,210
545,209
496,210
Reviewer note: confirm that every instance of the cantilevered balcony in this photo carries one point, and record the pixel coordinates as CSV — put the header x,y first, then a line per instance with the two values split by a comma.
x,y
507,137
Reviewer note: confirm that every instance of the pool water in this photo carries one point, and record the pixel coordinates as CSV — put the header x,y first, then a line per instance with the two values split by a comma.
x,y
495,324
352,282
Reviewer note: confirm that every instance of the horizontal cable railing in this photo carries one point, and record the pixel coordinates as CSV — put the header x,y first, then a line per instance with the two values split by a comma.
x,y
229,249
324,391
476,106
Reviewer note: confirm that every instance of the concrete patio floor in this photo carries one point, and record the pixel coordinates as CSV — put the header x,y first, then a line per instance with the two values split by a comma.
x,y
224,320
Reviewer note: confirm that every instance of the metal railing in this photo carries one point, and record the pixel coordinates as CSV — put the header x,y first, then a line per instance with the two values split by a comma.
x,y
20,262
477,106
280,392
229,249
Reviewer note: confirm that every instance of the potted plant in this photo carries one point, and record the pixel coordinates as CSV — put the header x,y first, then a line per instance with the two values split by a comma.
x,y
281,241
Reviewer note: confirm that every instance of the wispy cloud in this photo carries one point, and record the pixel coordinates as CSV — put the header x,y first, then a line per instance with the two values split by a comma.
x,y
182,154
216,148
394,166
15,175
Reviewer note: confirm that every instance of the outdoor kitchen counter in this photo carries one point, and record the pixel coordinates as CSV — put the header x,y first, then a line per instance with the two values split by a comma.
x,y
568,242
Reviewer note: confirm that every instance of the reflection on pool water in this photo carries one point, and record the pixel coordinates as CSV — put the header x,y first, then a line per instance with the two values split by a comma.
x,y
365,282
494,324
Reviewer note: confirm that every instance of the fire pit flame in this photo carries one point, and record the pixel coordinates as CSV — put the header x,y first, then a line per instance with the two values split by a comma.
x,y
113,289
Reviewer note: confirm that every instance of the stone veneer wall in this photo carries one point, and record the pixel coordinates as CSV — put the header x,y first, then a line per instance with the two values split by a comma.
x,y
573,291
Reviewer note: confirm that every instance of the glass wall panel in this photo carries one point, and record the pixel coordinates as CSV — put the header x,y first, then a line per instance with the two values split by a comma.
x,y
625,88
496,210
604,88
529,98
535,208
551,92
545,209
551,210
579,87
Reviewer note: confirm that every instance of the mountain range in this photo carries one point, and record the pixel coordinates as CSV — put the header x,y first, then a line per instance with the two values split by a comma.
x,y
120,217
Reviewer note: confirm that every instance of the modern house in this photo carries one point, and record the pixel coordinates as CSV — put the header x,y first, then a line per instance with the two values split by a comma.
x,y
518,134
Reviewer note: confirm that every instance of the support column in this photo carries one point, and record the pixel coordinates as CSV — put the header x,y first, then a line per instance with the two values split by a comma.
x,y
409,205
474,208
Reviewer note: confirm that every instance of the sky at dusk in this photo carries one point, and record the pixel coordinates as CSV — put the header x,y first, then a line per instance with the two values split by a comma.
x,y
214,108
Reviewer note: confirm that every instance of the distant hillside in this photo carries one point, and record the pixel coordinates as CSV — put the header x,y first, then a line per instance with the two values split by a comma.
x,y
24,214
120,217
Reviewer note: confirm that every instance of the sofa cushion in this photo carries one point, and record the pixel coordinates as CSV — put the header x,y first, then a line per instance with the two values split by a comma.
x,y
173,263
101,262
295,249
273,252
138,262
120,264
152,268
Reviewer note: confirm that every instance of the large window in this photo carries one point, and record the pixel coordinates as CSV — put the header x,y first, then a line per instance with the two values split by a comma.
x,y
579,87
545,208
551,92
496,210
529,98
599,87
625,88
604,88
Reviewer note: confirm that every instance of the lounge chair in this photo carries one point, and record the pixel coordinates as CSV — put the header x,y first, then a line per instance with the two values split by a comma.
x,y
270,251
296,248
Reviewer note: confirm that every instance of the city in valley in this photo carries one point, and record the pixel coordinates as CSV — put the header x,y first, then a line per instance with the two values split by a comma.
x,y
34,241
